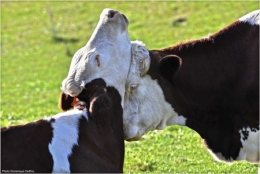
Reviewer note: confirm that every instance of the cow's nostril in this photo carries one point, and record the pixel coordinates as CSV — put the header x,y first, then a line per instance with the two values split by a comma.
x,y
111,13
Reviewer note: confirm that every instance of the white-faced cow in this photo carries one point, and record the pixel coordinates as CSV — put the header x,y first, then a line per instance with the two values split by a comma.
x,y
106,55
210,85
78,141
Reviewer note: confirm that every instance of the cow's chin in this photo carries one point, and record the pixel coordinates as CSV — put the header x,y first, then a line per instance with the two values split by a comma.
x,y
134,139
133,134
70,87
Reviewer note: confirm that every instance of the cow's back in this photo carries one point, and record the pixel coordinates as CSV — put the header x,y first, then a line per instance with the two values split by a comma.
x,y
25,148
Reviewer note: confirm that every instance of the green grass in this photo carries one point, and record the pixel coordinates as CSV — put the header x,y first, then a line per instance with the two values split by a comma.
x,y
38,40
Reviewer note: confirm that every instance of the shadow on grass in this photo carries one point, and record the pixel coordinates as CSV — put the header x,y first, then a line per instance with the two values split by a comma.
x,y
59,39
147,167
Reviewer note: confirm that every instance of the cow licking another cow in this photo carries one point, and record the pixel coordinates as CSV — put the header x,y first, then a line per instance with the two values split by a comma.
x,y
90,138
120,90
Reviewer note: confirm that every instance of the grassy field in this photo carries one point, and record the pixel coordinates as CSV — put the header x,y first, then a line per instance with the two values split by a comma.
x,y
38,40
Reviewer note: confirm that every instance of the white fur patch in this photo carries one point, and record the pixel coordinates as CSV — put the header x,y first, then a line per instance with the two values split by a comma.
x,y
250,142
252,18
65,136
141,54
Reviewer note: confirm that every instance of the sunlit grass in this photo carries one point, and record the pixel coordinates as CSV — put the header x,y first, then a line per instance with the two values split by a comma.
x,y
38,40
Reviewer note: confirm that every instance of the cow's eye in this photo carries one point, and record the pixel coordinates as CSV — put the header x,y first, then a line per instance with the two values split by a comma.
x,y
133,87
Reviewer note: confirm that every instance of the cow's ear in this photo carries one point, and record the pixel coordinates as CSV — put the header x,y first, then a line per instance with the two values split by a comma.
x,y
100,106
65,102
168,66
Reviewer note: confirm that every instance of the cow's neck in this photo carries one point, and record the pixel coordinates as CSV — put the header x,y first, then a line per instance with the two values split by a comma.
x,y
196,119
116,130
104,131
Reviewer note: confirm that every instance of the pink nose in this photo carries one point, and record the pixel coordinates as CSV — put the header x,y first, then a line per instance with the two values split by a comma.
x,y
111,13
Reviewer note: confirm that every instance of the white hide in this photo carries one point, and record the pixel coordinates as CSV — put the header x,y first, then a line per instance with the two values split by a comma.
x,y
65,136
145,107
252,18
249,150
107,55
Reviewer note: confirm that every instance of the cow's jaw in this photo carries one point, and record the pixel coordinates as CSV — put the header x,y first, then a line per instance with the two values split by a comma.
x,y
146,109
107,55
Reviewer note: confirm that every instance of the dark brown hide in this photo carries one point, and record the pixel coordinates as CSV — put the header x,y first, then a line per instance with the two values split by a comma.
x,y
100,148
25,148
217,85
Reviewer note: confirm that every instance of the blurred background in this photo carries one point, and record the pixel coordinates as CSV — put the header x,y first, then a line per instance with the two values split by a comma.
x,y
38,40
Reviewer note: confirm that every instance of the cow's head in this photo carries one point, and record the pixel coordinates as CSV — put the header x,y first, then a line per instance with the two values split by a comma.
x,y
145,106
94,98
107,55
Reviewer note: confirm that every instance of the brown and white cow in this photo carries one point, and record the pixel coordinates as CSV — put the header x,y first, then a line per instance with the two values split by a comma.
x,y
210,85
77,141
